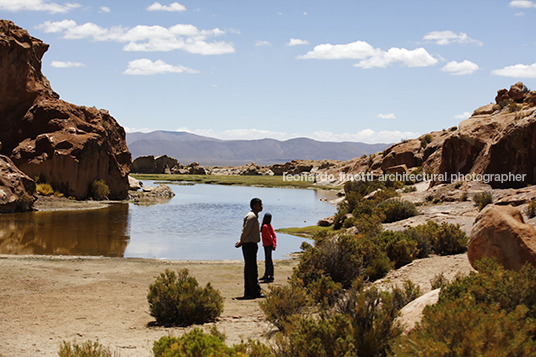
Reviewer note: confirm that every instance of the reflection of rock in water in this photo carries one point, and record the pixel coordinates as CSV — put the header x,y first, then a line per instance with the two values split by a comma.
x,y
94,232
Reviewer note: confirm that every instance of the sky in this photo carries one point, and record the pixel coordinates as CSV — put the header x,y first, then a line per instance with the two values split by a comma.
x,y
340,70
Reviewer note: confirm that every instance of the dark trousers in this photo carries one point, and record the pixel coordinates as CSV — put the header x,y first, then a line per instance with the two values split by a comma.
x,y
251,284
268,263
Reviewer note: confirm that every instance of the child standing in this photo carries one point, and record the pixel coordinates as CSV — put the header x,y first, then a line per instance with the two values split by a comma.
x,y
268,242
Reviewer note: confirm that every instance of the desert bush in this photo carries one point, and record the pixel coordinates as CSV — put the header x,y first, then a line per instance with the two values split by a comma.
x,y
85,349
44,189
421,236
439,281
338,257
361,324
177,299
396,210
99,190
376,264
406,294
490,313
368,225
449,239
325,292
398,247
531,209
196,343
282,302
464,196
482,199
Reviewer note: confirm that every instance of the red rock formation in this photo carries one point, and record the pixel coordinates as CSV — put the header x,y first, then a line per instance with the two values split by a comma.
x,y
17,190
65,145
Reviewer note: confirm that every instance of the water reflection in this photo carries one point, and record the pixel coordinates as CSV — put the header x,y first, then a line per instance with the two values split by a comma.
x,y
90,232
201,222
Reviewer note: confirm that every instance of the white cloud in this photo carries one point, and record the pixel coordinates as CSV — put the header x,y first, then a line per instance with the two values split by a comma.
x,y
366,136
460,68
448,37
146,67
145,38
525,4
134,130
105,9
464,115
262,43
386,116
175,7
37,5
371,57
296,42
61,64
517,71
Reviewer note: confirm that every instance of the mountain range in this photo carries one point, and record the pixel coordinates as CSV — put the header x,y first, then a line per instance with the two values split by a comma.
x,y
188,148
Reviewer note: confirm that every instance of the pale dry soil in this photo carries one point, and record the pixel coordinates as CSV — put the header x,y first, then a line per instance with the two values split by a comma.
x,y
47,300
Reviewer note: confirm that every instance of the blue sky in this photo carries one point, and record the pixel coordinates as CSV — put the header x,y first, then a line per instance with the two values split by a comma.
x,y
339,70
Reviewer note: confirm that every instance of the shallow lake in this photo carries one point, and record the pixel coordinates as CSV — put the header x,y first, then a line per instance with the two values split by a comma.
x,y
201,222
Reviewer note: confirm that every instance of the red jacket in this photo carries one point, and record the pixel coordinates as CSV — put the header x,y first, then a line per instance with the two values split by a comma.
x,y
268,235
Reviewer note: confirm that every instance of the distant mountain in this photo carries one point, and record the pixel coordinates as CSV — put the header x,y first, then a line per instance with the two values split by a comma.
x,y
188,148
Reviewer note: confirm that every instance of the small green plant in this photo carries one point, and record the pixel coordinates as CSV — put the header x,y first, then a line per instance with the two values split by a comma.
x,y
177,299
196,343
464,196
396,210
99,190
482,199
531,209
282,302
44,189
439,281
86,349
406,294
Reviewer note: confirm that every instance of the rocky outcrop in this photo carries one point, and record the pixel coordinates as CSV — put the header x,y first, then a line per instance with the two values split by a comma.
x,y
17,190
162,164
500,232
497,144
500,146
412,313
65,145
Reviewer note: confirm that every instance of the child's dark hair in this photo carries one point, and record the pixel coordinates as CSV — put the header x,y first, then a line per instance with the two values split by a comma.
x,y
267,219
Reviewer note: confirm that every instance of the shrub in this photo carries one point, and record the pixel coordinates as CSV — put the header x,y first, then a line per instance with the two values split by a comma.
x,y
196,343
531,209
439,281
325,291
396,210
86,349
177,299
282,302
338,257
406,294
362,324
400,248
449,239
99,190
482,199
44,189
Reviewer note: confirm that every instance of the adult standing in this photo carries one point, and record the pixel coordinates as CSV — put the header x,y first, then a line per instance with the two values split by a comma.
x,y
248,241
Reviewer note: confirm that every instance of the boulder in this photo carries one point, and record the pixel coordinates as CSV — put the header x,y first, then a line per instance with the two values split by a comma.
x,y
326,222
516,92
17,190
65,145
144,165
413,312
500,232
165,163
134,184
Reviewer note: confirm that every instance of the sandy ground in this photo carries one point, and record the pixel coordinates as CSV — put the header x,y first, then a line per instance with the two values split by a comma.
x,y
47,300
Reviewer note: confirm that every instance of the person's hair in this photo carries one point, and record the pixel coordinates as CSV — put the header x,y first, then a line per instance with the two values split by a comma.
x,y
254,201
267,219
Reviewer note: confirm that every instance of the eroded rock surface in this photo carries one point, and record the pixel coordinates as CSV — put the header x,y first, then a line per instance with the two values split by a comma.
x,y
65,145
